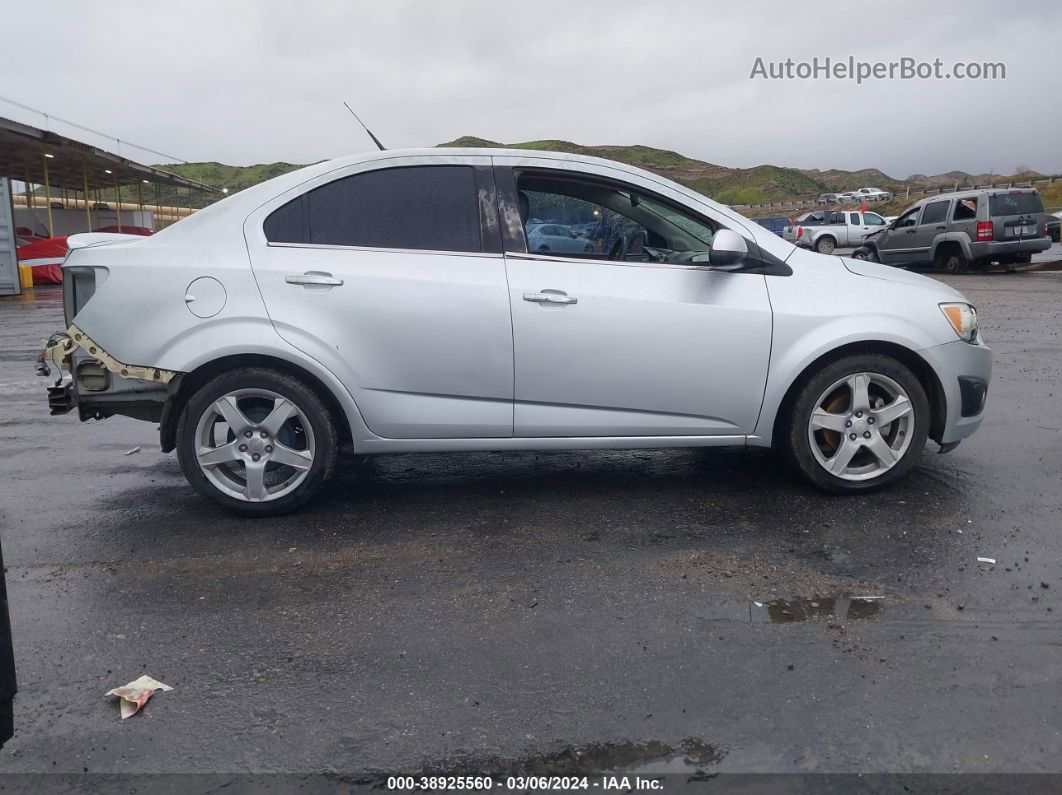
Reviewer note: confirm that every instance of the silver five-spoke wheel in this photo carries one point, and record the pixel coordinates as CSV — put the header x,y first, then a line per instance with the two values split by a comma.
x,y
254,445
861,426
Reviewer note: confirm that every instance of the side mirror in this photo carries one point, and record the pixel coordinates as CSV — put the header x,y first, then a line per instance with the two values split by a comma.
x,y
728,249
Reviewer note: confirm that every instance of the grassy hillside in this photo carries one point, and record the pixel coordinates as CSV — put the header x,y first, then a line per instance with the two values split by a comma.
x,y
234,178
728,185
755,185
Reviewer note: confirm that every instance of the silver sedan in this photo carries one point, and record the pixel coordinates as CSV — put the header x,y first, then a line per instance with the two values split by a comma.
x,y
395,302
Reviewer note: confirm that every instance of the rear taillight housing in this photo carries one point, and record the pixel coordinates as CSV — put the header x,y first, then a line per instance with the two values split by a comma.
x,y
800,231
984,230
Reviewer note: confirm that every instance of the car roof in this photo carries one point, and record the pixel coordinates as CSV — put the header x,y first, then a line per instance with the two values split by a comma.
x,y
965,194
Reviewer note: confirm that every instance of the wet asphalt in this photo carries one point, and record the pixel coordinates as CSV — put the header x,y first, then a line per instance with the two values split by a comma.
x,y
516,610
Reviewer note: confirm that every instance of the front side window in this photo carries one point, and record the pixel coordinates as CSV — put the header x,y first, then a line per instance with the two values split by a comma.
x,y
581,218
935,212
873,219
417,207
909,218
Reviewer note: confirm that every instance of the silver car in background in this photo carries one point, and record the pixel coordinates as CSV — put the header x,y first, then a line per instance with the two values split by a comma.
x,y
391,302
554,237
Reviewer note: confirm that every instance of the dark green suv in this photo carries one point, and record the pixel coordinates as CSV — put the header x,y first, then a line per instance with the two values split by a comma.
x,y
962,230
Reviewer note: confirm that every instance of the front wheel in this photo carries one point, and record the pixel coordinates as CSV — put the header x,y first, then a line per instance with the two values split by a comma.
x,y
858,424
256,441
866,253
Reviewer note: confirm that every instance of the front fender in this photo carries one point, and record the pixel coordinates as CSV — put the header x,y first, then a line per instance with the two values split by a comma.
x,y
791,356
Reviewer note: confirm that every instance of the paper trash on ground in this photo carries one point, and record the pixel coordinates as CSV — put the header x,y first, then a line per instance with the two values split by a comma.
x,y
134,695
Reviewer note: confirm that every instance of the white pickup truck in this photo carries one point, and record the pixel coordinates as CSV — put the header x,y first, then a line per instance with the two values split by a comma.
x,y
825,230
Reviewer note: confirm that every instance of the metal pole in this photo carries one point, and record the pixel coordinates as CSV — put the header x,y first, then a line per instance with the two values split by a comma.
x,y
118,203
140,202
48,196
158,207
88,210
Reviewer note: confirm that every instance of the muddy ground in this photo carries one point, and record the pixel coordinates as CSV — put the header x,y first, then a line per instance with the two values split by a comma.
x,y
518,610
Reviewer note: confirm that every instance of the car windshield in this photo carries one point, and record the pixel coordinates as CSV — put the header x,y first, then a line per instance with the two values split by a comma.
x,y
1015,204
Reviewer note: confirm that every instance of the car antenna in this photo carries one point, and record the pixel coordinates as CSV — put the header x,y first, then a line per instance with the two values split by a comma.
x,y
375,140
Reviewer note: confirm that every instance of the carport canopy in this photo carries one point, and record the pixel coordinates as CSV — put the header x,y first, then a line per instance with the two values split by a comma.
x,y
26,152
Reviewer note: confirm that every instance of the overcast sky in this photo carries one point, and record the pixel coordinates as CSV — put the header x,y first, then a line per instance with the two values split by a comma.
x,y
251,82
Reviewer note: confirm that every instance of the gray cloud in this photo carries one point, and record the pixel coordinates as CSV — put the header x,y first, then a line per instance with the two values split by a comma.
x,y
247,82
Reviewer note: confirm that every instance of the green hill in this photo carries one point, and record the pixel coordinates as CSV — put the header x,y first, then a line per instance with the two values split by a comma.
x,y
727,185
756,185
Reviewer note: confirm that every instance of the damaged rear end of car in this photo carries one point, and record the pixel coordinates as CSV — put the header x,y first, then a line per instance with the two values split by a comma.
x,y
100,384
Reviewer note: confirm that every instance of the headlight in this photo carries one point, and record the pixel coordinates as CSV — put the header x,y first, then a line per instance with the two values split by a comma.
x,y
963,319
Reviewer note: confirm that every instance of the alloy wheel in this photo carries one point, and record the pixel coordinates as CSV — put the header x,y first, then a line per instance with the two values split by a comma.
x,y
254,445
861,426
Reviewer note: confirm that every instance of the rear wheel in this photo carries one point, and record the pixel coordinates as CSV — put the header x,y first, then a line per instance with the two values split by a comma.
x,y
257,442
858,424
952,262
825,245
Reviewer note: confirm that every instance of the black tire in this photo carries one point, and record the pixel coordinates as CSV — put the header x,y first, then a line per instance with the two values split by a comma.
x,y
953,263
825,245
795,440
303,397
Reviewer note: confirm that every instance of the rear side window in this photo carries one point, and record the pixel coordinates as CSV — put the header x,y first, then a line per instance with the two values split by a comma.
x,y
854,217
935,213
418,207
965,209
1015,204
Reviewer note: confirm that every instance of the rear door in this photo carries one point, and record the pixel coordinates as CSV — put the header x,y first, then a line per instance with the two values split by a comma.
x,y
616,342
390,274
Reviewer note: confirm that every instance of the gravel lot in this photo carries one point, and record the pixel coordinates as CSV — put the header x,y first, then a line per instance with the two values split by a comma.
x,y
519,610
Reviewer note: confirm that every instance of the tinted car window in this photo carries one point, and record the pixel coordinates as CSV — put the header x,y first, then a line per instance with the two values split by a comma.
x,y
419,207
965,209
838,218
935,213
854,218
1015,204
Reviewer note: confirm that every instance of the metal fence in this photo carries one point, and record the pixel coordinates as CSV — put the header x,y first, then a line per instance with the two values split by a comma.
x,y
908,191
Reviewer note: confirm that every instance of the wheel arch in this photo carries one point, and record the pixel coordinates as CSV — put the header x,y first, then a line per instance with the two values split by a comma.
x,y
186,384
923,371
948,242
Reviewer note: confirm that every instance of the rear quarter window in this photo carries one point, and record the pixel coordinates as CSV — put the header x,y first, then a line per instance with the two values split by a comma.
x,y
415,207
1015,204
965,209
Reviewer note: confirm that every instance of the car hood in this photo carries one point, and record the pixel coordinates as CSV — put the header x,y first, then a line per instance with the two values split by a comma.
x,y
875,270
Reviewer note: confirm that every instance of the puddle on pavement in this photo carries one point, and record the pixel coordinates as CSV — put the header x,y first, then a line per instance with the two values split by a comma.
x,y
787,611
650,757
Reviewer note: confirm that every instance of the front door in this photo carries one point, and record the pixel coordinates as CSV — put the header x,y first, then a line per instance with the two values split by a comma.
x,y
634,335
393,279
898,245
